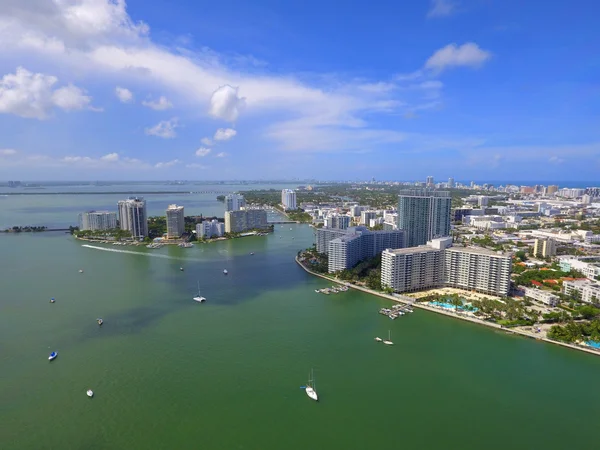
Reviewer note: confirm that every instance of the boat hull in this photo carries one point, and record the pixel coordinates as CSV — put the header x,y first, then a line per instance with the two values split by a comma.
x,y
199,299
312,394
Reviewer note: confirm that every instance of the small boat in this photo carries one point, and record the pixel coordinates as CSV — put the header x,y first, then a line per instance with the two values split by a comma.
x,y
225,272
389,339
199,298
181,268
52,300
252,253
378,339
317,291
100,321
90,393
80,270
310,388
52,356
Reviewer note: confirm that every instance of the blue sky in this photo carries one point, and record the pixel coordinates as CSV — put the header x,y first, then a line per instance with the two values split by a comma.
x,y
182,89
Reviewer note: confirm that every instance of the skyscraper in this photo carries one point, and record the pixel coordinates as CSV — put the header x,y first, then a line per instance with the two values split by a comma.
x,y
234,202
450,182
429,181
288,199
133,217
175,221
423,214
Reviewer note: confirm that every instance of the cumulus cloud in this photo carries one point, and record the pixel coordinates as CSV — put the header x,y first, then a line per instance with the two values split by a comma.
x,y
195,166
226,104
441,8
159,105
124,95
221,155
224,134
32,96
163,165
468,55
202,151
7,152
111,157
164,129
206,141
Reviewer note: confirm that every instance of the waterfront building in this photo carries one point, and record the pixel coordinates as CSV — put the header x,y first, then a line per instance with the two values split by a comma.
x,y
544,248
245,219
423,214
589,291
97,220
552,189
234,202
438,263
210,228
175,221
133,216
545,297
324,235
478,269
337,221
359,243
288,199
451,182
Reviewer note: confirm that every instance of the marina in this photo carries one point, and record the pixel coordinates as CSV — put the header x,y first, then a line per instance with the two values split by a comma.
x,y
332,290
396,311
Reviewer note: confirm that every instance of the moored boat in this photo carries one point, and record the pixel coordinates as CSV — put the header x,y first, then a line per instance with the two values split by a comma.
x,y
52,356
90,393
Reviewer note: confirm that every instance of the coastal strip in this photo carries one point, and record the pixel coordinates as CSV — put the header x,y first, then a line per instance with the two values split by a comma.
x,y
411,301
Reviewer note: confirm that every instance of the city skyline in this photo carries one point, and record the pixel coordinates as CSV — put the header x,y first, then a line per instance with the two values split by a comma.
x,y
121,90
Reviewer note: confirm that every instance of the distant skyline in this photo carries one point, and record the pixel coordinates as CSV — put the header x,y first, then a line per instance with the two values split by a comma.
x,y
155,90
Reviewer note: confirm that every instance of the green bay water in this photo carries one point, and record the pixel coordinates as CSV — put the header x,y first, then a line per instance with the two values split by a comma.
x,y
169,373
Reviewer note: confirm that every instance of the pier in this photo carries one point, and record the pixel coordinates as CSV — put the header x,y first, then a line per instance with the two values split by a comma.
x,y
396,311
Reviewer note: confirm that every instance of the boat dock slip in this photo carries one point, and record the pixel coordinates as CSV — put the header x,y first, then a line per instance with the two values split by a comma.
x,y
396,311
332,290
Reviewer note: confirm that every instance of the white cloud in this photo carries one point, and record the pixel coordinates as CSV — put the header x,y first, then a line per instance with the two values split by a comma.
x,y
164,129
441,8
195,166
206,141
226,104
202,151
224,134
124,95
221,155
160,105
111,157
163,165
7,152
469,55
555,160
30,95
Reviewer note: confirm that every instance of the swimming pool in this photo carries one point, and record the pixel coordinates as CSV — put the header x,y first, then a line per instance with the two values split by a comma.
x,y
450,306
593,344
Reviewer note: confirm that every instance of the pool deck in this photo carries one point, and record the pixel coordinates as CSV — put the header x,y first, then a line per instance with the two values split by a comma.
x,y
411,301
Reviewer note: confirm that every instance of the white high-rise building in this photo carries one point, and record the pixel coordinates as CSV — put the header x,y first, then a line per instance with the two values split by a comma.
x,y
423,214
245,219
337,221
544,248
133,216
175,221
429,181
450,182
288,199
366,216
97,220
210,228
234,202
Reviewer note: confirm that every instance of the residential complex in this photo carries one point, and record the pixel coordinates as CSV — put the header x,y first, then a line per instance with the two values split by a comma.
x,y
133,216
234,202
175,221
438,263
97,220
589,266
245,219
423,214
337,221
544,248
210,228
545,297
288,199
587,290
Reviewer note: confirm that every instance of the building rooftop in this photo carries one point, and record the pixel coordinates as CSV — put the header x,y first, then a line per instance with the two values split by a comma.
x,y
412,250
478,251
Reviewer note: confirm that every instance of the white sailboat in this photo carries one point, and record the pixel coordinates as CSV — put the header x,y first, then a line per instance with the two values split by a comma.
x,y
378,339
199,298
389,339
310,388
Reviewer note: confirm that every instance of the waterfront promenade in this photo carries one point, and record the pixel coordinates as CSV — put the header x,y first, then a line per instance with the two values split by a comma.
x,y
411,301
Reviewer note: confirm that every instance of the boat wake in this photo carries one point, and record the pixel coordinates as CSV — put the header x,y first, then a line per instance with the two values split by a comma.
x,y
151,255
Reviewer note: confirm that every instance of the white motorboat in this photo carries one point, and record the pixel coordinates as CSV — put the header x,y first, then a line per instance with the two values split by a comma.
x,y
389,339
90,393
52,356
225,272
378,339
100,321
310,388
181,268
80,270
199,298
52,300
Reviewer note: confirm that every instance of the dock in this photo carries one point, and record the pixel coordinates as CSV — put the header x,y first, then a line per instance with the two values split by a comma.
x,y
332,290
396,311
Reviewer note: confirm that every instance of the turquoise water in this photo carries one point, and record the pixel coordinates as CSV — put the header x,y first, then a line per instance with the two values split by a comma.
x,y
593,344
451,306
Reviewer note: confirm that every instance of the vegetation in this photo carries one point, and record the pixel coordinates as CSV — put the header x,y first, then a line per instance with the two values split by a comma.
x,y
26,229
367,272
526,277
114,234
576,331
299,216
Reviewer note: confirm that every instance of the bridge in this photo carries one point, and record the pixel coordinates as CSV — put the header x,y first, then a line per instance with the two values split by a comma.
x,y
282,222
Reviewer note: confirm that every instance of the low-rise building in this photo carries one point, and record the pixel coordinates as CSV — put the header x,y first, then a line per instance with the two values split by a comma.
x,y
589,291
589,266
210,228
97,220
545,297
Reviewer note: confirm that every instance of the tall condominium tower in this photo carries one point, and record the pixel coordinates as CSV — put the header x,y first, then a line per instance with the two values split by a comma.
x,y
133,217
97,220
234,202
288,199
423,214
175,221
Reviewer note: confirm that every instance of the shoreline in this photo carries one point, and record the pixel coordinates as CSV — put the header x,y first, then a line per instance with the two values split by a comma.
x,y
411,301
173,242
